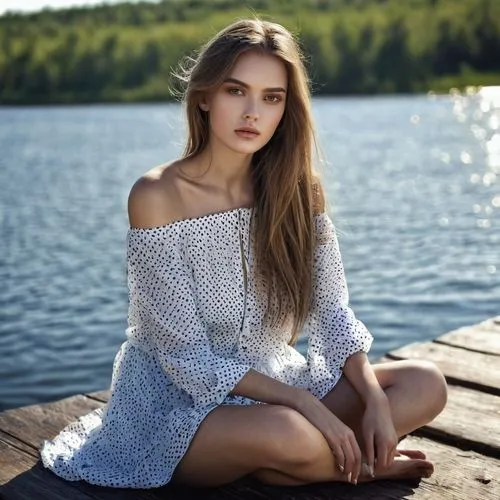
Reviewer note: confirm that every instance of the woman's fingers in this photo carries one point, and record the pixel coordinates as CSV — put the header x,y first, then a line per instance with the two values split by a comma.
x,y
370,451
386,451
357,459
391,452
349,459
352,457
382,454
393,455
339,456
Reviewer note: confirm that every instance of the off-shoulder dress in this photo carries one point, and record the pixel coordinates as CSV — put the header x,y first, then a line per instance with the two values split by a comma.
x,y
195,327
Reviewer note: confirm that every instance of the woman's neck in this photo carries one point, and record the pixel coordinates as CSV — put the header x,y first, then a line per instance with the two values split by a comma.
x,y
224,171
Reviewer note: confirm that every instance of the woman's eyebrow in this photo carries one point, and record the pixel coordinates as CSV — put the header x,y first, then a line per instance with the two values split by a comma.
x,y
243,84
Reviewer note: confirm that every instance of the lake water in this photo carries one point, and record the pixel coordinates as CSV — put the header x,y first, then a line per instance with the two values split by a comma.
x,y
413,185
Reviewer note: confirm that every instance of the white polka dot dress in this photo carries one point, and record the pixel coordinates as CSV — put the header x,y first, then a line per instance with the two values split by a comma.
x,y
195,327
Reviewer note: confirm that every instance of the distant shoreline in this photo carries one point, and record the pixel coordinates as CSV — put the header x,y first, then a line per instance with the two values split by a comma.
x,y
128,52
440,93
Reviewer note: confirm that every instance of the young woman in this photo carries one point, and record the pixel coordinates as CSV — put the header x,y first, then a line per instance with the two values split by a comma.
x,y
231,256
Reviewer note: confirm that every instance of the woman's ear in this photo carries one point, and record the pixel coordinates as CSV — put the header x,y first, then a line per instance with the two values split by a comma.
x,y
203,105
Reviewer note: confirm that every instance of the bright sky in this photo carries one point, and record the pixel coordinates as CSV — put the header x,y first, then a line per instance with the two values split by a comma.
x,y
34,5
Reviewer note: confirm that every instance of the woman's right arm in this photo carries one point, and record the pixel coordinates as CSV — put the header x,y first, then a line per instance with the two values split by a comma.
x,y
261,387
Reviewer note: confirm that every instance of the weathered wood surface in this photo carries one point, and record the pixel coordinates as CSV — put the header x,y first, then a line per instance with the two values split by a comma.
x,y
33,424
480,338
459,474
461,366
463,442
471,420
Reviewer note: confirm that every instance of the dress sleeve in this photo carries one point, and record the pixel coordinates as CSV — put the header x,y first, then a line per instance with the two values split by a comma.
x,y
163,318
334,332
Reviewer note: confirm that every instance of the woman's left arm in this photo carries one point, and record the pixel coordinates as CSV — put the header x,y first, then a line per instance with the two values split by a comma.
x,y
338,343
378,429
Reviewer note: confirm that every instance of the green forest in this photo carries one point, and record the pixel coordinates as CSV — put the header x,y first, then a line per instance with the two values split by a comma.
x,y
126,52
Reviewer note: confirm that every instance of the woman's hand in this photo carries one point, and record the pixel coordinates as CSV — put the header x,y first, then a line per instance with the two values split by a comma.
x,y
339,436
379,434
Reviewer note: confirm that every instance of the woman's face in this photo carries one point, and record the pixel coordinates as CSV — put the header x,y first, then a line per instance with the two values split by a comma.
x,y
252,97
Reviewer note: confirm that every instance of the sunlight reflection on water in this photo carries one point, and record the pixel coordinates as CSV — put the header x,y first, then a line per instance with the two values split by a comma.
x,y
482,105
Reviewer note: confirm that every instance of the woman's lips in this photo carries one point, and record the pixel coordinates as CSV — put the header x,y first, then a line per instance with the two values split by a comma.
x,y
247,133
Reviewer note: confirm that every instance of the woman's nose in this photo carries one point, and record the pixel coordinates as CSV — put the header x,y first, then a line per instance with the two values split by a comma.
x,y
251,112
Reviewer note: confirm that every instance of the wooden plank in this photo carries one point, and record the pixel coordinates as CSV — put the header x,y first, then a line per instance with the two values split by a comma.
x,y
99,395
491,323
32,424
458,423
455,478
467,368
13,461
25,428
22,478
458,474
245,489
13,441
484,338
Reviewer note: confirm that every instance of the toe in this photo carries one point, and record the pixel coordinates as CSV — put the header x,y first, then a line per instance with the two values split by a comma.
x,y
412,454
427,470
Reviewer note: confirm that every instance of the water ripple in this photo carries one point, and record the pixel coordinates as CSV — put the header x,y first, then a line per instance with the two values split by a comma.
x,y
413,185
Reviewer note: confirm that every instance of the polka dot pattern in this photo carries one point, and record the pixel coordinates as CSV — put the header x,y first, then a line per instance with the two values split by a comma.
x,y
195,327
334,332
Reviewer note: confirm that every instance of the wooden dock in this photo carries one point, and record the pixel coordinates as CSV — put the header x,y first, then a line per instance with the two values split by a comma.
x,y
463,442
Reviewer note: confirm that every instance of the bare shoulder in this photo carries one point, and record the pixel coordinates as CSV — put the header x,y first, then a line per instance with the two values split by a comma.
x,y
153,199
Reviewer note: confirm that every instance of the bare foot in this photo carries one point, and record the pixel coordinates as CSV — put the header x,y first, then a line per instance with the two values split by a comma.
x,y
411,453
408,464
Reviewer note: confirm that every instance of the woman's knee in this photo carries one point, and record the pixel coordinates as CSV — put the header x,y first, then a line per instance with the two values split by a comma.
x,y
428,380
295,440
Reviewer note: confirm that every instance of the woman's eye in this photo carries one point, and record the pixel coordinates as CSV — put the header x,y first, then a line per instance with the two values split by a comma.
x,y
234,91
273,98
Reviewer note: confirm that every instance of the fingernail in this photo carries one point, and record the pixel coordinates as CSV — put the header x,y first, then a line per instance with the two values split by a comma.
x,y
355,481
341,467
349,476
370,468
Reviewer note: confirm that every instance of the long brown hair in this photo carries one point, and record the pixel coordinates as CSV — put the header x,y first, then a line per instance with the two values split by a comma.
x,y
287,191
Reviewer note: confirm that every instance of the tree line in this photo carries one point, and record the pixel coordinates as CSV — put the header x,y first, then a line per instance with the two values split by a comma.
x,y
127,52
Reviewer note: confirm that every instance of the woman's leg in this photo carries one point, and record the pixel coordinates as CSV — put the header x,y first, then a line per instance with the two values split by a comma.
x,y
416,391
275,443
279,446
